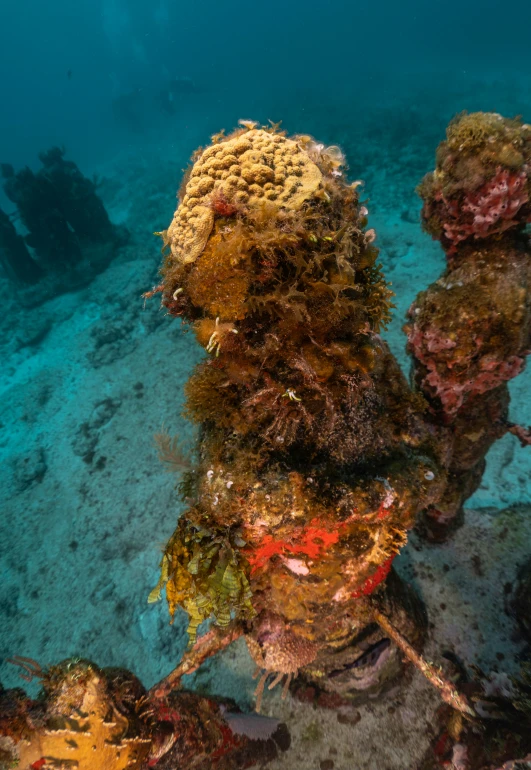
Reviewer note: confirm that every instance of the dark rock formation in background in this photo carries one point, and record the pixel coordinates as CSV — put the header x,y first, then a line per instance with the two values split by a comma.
x,y
68,228
15,258
79,202
39,205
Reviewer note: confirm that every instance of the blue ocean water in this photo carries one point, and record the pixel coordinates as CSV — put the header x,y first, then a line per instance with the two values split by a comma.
x,y
130,88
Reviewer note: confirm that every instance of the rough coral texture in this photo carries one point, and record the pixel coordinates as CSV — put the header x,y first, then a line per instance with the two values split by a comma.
x,y
314,456
469,333
253,166
481,186
194,732
277,650
369,664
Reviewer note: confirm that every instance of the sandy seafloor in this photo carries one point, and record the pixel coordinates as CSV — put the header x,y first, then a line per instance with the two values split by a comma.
x,y
86,380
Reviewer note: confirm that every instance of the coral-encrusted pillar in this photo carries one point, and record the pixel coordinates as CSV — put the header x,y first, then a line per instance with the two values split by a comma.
x,y
469,332
314,457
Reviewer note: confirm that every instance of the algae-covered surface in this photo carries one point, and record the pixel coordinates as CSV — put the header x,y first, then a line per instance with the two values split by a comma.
x,y
90,376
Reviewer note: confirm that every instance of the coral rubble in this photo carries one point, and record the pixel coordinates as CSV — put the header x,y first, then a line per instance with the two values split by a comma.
x,y
501,733
469,332
314,457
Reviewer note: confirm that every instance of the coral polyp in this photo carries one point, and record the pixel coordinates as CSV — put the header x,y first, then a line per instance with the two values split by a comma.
x,y
247,167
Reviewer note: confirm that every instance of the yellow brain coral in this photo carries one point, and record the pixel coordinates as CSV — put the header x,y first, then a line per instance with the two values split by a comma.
x,y
244,170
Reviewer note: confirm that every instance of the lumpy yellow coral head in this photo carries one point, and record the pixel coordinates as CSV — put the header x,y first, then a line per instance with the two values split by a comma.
x,y
243,171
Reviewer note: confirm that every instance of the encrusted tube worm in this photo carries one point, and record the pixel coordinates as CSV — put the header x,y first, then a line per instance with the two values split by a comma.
x,y
469,333
314,456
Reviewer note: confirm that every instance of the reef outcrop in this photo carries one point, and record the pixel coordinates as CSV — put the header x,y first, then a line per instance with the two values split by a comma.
x,y
84,718
469,332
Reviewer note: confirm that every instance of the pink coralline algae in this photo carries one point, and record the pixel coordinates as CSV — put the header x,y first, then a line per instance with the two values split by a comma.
x,y
488,211
458,375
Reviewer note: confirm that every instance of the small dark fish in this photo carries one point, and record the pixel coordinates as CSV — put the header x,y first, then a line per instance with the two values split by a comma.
x,y
69,74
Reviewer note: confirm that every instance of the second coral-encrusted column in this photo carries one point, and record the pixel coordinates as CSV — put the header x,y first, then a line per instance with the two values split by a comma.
x,y
469,333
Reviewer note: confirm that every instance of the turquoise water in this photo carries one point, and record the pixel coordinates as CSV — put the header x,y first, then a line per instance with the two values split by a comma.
x,y
130,88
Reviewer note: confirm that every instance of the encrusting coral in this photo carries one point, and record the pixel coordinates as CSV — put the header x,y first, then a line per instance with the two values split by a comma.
x,y
470,331
314,456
